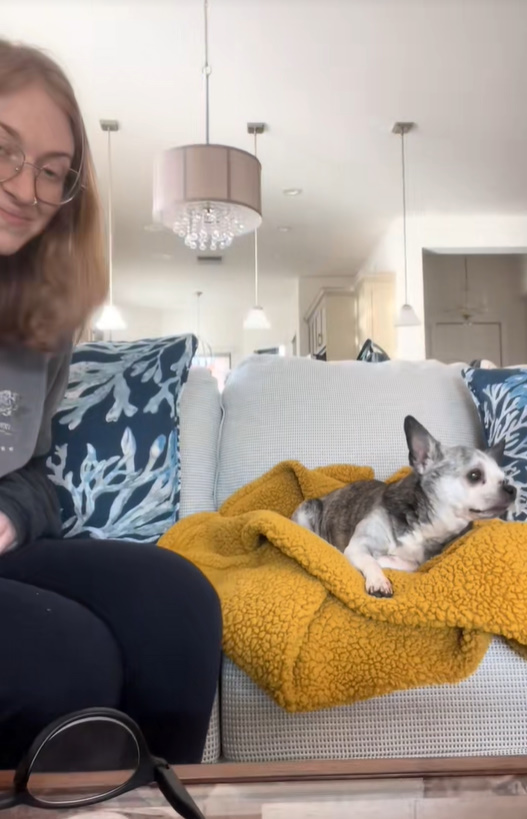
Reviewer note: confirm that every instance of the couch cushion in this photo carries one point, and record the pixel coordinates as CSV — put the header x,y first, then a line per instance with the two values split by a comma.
x,y
212,749
500,396
115,453
483,715
348,412
200,419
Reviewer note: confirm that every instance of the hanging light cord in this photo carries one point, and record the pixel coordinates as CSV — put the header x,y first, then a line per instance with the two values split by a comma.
x,y
255,237
466,285
198,315
207,70
110,219
403,167
256,268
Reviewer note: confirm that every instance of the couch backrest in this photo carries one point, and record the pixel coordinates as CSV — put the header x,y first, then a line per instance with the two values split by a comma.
x,y
199,428
349,412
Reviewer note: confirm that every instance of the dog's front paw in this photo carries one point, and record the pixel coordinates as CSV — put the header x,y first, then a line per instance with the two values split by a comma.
x,y
380,588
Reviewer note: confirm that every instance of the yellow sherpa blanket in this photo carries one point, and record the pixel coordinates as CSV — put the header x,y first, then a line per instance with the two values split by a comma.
x,y
298,620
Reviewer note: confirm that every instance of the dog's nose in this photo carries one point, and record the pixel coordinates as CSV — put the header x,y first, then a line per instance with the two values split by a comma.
x,y
509,489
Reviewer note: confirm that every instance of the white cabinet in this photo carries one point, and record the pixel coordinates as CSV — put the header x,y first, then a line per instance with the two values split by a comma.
x,y
317,328
339,321
332,328
376,311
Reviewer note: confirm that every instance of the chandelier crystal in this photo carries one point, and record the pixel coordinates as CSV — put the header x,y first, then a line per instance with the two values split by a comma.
x,y
209,225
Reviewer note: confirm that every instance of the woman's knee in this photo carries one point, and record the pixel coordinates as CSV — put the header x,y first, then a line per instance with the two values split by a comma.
x,y
188,597
61,658
155,586
191,584
85,671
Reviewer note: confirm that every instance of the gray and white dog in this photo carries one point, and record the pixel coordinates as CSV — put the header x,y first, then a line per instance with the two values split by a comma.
x,y
401,525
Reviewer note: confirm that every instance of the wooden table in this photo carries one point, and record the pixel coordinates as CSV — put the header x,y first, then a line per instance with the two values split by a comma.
x,y
462,788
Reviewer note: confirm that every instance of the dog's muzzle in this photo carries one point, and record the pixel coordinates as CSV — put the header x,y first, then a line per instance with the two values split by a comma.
x,y
509,491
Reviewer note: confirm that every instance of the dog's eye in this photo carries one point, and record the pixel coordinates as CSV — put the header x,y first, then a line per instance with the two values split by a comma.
x,y
475,475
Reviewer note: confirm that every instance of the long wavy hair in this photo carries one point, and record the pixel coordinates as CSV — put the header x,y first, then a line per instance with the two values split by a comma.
x,y
50,288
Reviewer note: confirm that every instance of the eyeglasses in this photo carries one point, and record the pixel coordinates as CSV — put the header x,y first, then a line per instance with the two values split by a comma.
x,y
91,756
55,183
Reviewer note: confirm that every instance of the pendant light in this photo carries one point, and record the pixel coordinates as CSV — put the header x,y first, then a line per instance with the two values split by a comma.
x,y
110,317
407,316
256,318
207,194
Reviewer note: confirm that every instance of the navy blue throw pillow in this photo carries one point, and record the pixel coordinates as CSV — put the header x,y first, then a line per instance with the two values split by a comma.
x,y
115,452
500,396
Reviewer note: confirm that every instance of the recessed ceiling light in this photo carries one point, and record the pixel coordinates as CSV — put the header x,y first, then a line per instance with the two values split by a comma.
x,y
292,191
154,227
283,228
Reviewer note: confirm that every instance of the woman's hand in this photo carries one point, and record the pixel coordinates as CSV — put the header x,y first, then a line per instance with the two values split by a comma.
x,y
7,533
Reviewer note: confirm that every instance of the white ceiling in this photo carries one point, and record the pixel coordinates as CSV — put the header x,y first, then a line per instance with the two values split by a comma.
x,y
329,77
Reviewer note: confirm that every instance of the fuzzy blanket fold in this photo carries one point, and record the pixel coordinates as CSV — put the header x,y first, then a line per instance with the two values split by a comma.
x,y
298,621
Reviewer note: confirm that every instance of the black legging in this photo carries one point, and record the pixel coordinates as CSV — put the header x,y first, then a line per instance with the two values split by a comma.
x,y
91,623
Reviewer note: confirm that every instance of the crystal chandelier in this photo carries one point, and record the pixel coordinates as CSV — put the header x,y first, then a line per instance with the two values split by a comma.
x,y
208,225
207,194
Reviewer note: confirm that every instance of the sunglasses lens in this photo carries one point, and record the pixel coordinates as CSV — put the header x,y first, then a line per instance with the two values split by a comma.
x,y
83,761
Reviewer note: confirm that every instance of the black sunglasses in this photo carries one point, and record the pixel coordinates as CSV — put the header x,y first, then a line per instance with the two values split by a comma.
x,y
91,756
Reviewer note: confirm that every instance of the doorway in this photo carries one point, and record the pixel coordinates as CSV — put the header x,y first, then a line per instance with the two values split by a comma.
x,y
475,307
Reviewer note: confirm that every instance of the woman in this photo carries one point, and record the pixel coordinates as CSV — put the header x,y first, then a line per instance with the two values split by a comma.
x,y
85,623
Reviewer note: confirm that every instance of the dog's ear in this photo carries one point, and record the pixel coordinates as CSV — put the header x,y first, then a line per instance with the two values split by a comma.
x,y
496,451
423,448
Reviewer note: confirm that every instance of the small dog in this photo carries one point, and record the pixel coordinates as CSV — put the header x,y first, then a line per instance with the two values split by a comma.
x,y
401,525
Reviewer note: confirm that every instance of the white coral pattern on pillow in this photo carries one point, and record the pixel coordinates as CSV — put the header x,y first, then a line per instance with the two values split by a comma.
x,y
110,372
91,382
502,405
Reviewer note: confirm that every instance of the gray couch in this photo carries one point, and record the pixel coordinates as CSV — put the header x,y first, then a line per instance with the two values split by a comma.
x,y
274,409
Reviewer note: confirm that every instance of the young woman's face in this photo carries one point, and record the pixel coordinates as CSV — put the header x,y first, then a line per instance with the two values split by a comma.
x,y
32,126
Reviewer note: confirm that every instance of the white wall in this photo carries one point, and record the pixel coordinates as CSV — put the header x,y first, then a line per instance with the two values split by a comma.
x,y
223,307
222,313
492,233
141,322
495,285
388,257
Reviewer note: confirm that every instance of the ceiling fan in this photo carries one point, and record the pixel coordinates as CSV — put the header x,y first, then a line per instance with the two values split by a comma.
x,y
468,311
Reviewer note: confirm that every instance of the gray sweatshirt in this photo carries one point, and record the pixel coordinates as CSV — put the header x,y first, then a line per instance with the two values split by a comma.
x,y
31,388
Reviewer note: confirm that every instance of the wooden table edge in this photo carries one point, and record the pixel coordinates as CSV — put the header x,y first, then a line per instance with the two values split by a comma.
x,y
317,770
312,770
